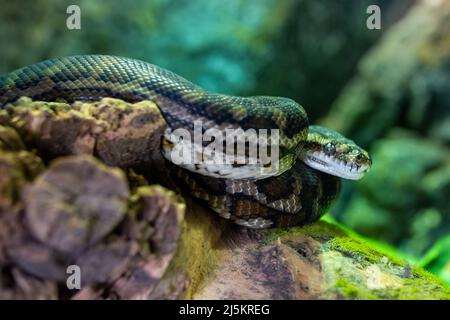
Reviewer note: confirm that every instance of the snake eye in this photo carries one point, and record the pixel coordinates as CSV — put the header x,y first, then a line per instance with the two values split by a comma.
x,y
329,148
359,157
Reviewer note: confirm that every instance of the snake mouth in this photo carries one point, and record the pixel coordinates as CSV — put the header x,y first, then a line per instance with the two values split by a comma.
x,y
328,164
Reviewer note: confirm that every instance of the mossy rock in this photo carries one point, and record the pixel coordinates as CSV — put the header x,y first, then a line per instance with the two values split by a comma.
x,y
319,261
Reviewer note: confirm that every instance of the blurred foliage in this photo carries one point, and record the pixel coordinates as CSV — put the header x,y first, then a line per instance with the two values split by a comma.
x,y
388,90
395,207
398,105
403,80
317,50
217,44
437,260
286,48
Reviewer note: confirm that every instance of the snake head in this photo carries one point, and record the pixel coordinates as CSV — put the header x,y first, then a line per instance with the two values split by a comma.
x,y
332,153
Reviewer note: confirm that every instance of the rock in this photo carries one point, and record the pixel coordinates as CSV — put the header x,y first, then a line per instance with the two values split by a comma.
x,y
78,210
157,212
319,261
115,131
104,263
75,203
38,260
160,215
16,165
27,287
123,254
10,139
18,168
119,133
203,236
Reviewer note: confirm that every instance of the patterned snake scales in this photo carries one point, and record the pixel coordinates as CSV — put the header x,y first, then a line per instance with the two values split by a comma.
x,y
253,195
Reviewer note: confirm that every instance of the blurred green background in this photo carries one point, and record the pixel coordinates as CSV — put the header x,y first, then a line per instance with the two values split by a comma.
x,y
388,89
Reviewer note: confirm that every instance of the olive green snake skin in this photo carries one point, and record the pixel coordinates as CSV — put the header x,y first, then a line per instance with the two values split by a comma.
x,y
254,196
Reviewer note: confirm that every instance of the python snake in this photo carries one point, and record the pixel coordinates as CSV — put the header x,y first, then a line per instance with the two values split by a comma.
x,y
296,190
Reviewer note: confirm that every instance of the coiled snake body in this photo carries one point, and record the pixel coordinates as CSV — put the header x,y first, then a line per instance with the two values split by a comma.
x,y
296,191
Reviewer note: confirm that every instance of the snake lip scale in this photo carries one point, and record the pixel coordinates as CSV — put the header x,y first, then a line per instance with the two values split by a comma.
x,y
312,159
340,168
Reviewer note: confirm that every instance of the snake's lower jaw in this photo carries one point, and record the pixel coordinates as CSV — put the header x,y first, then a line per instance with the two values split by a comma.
x,y
321,162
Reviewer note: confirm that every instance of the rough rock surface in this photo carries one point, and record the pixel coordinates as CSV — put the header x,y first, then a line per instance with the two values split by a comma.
x,y
320,261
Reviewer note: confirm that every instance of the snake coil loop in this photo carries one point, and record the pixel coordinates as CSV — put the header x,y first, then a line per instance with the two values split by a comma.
x,y
294,194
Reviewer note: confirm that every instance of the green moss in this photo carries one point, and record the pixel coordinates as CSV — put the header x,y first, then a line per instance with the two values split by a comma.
x,y
351,282
361,250
320,230
422,285
349,290
350,263
323,230
336,237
